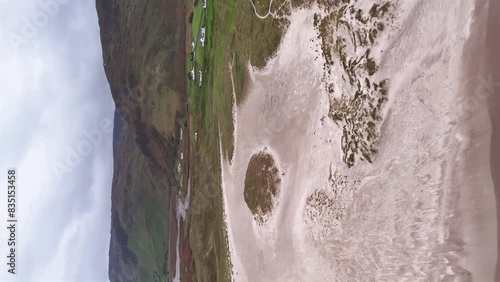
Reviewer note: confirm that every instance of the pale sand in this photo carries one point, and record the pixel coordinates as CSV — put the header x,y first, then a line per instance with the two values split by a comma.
x,y
424,210
476,221
493,67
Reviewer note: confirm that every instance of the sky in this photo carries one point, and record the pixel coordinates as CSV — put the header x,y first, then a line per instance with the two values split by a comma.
x,y
56,115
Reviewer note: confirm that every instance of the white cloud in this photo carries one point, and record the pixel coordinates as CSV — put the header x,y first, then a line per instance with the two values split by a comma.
x,y
53,90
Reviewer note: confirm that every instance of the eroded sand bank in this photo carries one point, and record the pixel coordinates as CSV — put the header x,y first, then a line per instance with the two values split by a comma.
x,y
424,210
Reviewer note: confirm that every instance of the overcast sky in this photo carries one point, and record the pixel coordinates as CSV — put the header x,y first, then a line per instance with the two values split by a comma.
x,y
56,130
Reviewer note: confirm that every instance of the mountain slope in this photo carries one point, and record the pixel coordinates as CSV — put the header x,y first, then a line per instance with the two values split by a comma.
x,y
144,58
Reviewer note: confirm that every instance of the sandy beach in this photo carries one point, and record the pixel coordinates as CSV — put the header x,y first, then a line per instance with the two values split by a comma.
x,y
424,209
493,59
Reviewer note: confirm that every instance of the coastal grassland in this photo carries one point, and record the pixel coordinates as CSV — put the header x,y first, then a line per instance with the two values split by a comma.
x,y
261,185
262,6
210,108
234,37
207,232
255,39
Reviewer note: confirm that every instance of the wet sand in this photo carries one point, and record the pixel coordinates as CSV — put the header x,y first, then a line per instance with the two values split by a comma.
x,y
424,210
493,59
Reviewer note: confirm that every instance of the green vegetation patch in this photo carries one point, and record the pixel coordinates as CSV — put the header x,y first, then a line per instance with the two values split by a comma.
x,y
257,39
261,185
262,6
210,104
207,232
235,36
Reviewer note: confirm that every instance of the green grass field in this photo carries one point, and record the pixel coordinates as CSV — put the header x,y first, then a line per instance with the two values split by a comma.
x,y
234,35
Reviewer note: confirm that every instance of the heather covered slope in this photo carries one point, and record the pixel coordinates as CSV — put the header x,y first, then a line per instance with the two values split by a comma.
x,y
144,60
139,230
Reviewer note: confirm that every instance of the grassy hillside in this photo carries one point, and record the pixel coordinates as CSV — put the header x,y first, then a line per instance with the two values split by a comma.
x,y
140,214
146,64
144,58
